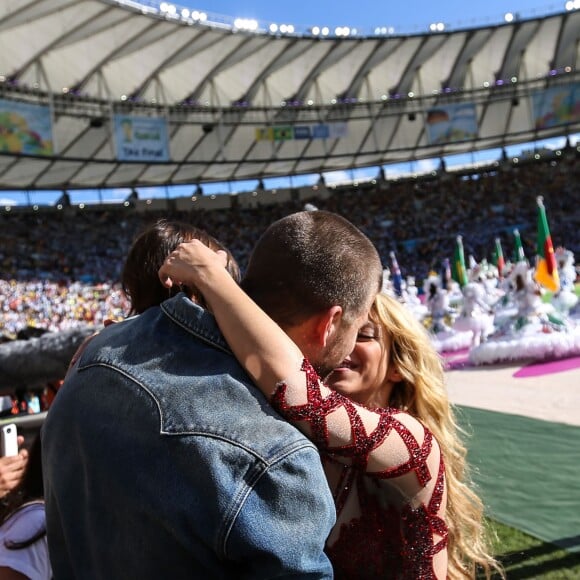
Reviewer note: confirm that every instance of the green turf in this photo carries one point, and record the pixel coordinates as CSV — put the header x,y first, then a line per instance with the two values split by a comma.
x,y
524,556
527,472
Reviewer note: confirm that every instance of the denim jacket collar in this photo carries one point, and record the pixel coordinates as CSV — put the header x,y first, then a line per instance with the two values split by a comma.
x,y
196,320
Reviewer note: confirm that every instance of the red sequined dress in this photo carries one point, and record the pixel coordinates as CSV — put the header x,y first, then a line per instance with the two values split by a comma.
x,y
388,479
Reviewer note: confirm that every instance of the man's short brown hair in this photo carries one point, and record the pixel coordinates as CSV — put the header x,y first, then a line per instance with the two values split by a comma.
x,y
310,261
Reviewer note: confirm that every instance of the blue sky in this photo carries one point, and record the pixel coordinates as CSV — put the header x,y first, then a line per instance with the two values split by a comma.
x,y
409,16
404,16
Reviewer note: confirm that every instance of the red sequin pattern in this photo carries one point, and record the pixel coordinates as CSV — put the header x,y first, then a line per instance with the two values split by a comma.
x,y
389,522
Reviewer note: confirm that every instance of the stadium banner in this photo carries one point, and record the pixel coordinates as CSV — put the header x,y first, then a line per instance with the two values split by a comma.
x,y
264,134
299,132
337,130
451,123
283,133
302,132
556,106
141,138
25,128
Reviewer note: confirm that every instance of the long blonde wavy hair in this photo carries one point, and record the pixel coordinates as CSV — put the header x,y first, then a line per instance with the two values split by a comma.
x,y
423,394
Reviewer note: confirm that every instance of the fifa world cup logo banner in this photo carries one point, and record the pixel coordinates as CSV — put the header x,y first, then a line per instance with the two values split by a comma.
x,y
25,128
141,138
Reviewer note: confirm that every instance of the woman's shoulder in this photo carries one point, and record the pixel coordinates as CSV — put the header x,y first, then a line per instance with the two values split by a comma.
x,y
23,523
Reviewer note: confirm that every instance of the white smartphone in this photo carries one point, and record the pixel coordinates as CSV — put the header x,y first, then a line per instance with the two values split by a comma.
x,y
9,440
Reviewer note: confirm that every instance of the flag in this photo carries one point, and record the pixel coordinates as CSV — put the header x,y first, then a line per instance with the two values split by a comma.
x,y
445,273
498,260
283,133
519,251
546,272
397,278
458,269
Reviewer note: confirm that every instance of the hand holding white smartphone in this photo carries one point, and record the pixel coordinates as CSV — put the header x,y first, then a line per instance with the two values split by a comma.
x,y
9,440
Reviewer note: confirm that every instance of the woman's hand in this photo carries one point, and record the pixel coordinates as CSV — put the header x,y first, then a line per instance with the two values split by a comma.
x,y
12,469
190,263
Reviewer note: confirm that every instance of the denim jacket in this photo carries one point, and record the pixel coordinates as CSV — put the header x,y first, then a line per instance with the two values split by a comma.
x,y
162,460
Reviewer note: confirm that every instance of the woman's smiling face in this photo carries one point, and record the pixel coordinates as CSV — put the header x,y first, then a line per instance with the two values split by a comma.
x,y
363,376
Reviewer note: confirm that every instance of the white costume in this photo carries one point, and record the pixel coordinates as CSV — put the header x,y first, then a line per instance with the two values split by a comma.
x,y
565,299
443,336
527,328
475,315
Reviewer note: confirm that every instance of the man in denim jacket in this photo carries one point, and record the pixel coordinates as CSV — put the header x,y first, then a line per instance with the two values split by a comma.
x,y
162,460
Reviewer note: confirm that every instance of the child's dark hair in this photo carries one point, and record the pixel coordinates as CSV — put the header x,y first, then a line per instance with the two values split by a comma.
x,y
140,278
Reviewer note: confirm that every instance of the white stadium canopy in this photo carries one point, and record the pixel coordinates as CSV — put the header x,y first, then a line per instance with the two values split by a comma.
x,y
238,104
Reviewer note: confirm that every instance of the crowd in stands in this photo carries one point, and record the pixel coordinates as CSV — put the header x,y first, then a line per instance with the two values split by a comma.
x,y
59,269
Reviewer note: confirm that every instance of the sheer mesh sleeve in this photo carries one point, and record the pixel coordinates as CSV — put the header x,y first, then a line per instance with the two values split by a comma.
x,y
401,462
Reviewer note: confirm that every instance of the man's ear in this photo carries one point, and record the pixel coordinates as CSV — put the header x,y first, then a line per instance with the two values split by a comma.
x,y
327,324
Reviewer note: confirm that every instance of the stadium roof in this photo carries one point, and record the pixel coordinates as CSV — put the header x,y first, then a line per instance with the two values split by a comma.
x,y
240,104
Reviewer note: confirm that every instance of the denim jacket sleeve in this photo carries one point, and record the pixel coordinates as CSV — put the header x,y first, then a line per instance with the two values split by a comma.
x,y
274,539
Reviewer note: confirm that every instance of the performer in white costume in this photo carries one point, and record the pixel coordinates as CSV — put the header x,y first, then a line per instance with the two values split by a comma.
x,y
444,337
476,315
566,299
529,329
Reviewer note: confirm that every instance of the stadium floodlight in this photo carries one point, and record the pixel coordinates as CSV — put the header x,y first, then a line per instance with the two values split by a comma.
x,y
198,16
437,27
246,24
342,31
315,30
185,13
168,8
508,17
325,31
273,28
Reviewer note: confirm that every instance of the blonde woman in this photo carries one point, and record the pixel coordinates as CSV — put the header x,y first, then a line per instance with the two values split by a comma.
x,y
383,465
395,365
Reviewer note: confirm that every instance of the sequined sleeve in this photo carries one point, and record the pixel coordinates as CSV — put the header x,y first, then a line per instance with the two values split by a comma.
x,y
392,449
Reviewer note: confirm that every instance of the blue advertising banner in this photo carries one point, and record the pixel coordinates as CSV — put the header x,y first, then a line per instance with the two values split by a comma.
x,y
556,106
25,128
320,131
141,138
451,123
302,132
